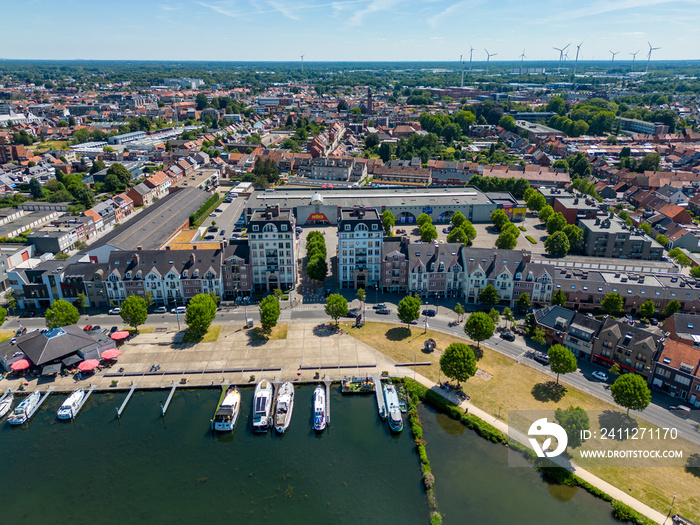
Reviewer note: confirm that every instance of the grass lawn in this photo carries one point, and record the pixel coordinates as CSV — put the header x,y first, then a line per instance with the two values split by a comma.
x,y
210,337
513,386
4,336
278,332
210,210
50,145
142,330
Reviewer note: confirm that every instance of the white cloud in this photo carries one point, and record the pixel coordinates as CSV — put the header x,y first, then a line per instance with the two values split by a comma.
x,y
437,18
374,6
168,7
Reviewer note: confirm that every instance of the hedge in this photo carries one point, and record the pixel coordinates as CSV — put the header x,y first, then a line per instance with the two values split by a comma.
x,y
532,240
522,228
203,208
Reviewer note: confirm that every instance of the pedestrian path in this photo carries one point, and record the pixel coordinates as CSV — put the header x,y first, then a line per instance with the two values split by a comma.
x,y
587,476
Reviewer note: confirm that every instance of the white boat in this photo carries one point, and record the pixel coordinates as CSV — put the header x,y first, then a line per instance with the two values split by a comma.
x,y
69,408
25,409
6,402
284,407
319,408
392,406
262,405
227,414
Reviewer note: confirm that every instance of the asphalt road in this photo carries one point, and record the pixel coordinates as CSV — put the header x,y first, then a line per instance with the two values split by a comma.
x,y
656,413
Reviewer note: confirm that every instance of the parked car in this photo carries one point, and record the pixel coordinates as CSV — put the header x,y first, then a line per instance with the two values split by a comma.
x,y
445,230
160,310
209,237
87,328
212,215
113,329
212,229
238,229
179,309
115,311
222,232
629,317
28,313
384,311
379,306
298,229
680,410
508,336
96,328
600,376
353,312
429,312
414,321
542,358
218,210
654,321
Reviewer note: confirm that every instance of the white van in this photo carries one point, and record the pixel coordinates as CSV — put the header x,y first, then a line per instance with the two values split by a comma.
x,y
179,310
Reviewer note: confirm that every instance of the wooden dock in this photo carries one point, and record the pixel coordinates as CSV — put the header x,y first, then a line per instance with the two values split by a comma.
x,y
41,402
128,396
381,405
164,408
85,398
328,401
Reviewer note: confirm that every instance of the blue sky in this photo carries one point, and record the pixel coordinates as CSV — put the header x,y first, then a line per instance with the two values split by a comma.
x,y
354,30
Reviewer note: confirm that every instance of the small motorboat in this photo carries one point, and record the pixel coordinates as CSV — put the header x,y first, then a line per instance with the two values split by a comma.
x,y
25,409
69,408
392,402
6,402
284,407
262,405
319,408
227,414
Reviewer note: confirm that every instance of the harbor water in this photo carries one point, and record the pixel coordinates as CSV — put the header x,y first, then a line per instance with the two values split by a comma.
x,y
147,469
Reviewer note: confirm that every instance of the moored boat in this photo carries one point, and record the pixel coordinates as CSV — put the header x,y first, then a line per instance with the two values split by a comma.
x,y
227,412
319,408
392,405
6,402
20,415
284,407
69,408
262,404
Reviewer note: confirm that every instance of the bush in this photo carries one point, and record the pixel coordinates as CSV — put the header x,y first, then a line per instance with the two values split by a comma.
x,y
624,513
435,519
531,239
522,228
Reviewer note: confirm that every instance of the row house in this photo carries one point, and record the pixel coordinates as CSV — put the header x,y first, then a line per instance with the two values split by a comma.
x,y
435,269
141,194
360,236
273,248
169,276
124,206
510,272
237,271
159,182
394,264
414,175
571,329
677,371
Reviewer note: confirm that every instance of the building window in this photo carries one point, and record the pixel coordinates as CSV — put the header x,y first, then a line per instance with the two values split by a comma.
x,y
256,227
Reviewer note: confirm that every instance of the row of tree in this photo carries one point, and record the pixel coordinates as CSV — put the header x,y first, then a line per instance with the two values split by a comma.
x,y
316,266
509,232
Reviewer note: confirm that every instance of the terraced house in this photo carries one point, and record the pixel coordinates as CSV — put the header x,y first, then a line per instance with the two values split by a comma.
x,y
435,269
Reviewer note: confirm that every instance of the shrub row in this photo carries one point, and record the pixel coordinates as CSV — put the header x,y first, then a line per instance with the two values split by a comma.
x,y
624,513
522,228
203,208
531,239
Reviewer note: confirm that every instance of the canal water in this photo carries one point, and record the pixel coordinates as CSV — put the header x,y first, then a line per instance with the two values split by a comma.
x,y
146,469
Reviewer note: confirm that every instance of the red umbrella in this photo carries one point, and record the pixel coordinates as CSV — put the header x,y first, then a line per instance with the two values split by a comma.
x,y
119,336
112,353
22,364
88,364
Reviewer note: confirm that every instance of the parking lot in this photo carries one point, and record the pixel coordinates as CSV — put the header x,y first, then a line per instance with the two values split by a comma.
x,y
226,219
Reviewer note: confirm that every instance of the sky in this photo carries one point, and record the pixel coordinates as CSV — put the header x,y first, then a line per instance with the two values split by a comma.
x,y
347,30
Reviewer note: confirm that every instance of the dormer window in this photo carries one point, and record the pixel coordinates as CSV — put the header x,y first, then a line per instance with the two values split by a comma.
x,y
185,274
138,274
195,273
432,267
441,268
128,275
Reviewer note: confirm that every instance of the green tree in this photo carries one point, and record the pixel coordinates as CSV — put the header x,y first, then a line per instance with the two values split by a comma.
x,y
647,308
695,272
612,303
201,311
537,335
545,213
495,317
11,300
523,302
469,229
35,189
645,228
479,327
555,223
361,295
61,313
557,105
575,236
317,269
80,302
460,236
557,244
428,233
458,362
385,152
269,312
615,371
489,296
508,123
409,310
631,391
336,307
458,219
83,195
499,219
201,101
561,360
3,315
650,162
134,311
662,240
123,174
388,221
672,308
558,298
506,241
573,421
536,202
423,218
459,310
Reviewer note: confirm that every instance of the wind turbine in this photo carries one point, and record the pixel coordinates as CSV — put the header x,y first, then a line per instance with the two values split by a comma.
x,y
488,58
521,61
461,83
649,55
634,56
578,48
302,61
613,53
471,52
561,55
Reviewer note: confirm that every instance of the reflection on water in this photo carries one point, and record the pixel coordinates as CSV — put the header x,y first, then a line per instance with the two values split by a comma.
x,y
449,425
562,492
